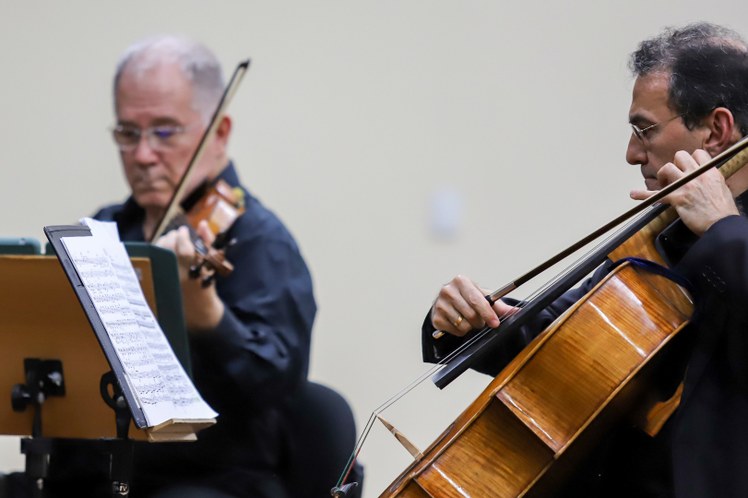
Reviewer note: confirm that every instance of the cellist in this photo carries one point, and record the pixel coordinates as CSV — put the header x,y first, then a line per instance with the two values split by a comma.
x,y
689,103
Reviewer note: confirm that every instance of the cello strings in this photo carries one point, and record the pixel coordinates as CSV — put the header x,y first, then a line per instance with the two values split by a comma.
x,y
476,337
556,278
732,155
727,162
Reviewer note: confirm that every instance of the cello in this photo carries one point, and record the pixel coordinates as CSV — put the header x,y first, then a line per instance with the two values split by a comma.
x,y
588,370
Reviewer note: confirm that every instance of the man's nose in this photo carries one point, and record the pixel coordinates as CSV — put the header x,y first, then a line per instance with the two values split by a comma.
x,y
635,152
144,152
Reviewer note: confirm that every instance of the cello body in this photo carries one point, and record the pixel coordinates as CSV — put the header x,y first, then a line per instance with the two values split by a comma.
x,y
591,368
544,412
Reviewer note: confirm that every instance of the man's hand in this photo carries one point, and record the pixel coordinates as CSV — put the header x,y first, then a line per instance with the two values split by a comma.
x,y
203,309
701,202
461,306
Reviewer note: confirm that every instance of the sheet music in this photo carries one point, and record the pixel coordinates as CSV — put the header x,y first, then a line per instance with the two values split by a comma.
x,y
161,386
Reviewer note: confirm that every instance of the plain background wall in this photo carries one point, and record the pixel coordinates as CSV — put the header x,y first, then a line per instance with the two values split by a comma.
x,y
364,125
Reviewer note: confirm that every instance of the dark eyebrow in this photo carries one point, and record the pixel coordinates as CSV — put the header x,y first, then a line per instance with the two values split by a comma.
x,y
640,121
165,121
126,124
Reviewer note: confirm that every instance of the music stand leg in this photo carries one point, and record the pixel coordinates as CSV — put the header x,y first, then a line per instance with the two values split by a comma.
x,y
37,451
121,449
121,467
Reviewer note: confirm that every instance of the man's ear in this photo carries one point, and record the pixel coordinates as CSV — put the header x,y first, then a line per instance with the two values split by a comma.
x,y
723,132
223,130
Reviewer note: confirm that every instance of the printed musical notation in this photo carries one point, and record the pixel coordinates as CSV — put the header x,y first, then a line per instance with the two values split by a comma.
x,y
160,384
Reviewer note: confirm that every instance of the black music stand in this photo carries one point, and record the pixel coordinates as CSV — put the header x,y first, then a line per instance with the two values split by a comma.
x,y
70,386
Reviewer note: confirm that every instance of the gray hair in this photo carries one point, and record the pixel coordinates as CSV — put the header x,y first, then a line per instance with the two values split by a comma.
x,y
660,53
199,65
707,65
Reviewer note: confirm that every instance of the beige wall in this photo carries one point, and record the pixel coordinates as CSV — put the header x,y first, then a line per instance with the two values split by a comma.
x,y
354,117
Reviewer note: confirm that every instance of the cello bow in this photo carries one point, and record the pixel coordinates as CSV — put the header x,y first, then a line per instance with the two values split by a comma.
x,y
650,222
593,366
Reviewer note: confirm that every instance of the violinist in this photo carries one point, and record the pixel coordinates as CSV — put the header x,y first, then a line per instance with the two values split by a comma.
x,y
689,102
249,331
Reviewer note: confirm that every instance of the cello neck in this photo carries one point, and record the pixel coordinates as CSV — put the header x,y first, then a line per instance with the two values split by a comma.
x,y
635,240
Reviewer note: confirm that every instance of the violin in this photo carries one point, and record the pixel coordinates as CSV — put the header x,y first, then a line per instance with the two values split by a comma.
x,y
220,206
217,203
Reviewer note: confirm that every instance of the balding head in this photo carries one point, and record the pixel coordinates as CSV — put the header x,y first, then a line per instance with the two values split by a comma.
x,y
197,63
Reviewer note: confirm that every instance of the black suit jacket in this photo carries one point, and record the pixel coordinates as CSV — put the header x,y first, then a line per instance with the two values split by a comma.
x,y
703,449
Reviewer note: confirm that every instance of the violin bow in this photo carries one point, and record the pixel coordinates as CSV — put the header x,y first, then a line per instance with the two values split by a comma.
x,y
173,207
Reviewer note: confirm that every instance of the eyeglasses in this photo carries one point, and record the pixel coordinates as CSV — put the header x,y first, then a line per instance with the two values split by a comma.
x,y
641,133
159,138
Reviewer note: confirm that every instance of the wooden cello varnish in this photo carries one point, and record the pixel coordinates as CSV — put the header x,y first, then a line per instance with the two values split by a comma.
x,y
544,412
535,419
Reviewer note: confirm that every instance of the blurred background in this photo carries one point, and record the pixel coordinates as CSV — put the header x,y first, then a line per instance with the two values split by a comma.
x,y
401,141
